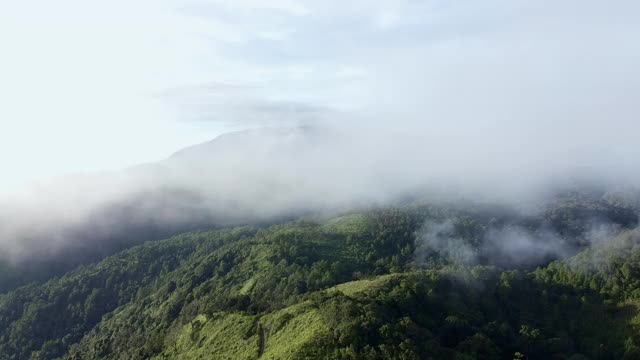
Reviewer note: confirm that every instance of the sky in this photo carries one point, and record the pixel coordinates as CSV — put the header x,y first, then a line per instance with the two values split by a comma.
x,y
88,86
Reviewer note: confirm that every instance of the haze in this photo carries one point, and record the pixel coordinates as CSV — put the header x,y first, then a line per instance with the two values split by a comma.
x,y
365,102
95,86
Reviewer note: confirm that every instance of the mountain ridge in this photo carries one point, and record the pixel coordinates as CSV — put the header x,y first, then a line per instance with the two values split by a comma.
x,y
309,287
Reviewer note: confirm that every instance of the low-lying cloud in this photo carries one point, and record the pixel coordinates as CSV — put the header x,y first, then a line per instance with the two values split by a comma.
x,y
268,174
500,101
505,244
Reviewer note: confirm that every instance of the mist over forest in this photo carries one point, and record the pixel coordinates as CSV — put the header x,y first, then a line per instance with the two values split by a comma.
x,y
301,179
276,173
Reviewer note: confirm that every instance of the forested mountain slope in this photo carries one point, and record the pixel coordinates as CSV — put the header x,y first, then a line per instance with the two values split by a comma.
x,y
370,284
259,177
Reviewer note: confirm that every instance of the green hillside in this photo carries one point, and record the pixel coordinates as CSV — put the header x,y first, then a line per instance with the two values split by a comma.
x,y
350,287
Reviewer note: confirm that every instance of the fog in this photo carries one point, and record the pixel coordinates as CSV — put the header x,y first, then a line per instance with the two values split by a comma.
x,y
495,102
510,244
267,175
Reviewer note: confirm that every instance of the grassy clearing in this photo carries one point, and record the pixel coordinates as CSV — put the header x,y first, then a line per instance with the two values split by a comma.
x,y
354,287
224,336
348,224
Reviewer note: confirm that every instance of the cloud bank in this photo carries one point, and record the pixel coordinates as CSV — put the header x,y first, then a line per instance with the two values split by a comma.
x,y
370,102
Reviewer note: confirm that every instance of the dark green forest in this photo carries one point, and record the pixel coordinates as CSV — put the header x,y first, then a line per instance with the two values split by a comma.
x,y
365,284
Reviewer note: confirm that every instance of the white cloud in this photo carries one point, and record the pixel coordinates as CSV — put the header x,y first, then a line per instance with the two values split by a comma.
x,y
80,80
494,95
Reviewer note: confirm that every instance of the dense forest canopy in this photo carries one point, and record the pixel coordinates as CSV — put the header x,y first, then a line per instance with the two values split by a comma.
x,y
418,281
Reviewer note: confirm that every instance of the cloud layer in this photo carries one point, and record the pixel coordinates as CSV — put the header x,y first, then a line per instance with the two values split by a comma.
x,y
491,98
